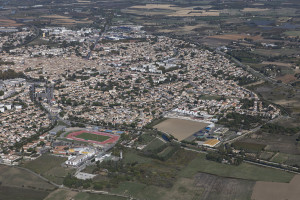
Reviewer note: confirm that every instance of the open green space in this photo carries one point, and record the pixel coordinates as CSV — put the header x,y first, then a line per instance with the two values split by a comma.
x,y
243,171
94,137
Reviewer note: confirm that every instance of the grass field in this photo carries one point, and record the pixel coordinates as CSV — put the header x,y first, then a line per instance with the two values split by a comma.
x,y
94,137
243,171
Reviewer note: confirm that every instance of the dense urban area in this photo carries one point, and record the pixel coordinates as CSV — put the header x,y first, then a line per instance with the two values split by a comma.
x,y
149,100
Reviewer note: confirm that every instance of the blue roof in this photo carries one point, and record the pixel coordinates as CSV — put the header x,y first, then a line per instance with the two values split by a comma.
x,y
120,132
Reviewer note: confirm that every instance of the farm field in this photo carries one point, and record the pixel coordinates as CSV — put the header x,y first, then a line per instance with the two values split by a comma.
x,y
243,171
90,136
62,194
50,167
252,147
276,142
286,159
16,193
15,177
132,157
8,23
201,186
277,191
154,144
235,37
65,20
180,128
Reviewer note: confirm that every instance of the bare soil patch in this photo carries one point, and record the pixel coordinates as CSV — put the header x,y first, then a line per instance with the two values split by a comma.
x,y
180,128
8,23
287,78
277,191
254,9
235,37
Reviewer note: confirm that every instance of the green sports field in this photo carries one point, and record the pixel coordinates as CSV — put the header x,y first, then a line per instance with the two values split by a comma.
x,y
94,137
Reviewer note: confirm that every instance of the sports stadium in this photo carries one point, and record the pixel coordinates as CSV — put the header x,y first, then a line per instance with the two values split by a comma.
x,y
95,137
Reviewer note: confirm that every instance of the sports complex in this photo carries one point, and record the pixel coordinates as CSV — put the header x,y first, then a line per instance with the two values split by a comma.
x,y
101,138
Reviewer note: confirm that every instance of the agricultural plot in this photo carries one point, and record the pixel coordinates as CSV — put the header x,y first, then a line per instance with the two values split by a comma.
x,y
288,159
266,155
243,171
15,193
202,186
65,20
276,142
14,177
154,144
50,167
62,194
132,157
180,128
215,187
277,191
252,147
171,10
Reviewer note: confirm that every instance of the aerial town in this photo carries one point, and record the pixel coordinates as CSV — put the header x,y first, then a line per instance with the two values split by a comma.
x,y
130,83
101,106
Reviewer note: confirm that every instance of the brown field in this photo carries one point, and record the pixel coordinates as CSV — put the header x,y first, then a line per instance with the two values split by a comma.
x,y
61,194
180,128
277,191
64,20
8,22
254,9
277,63
169,10
235,37
156,6
184,29
287,78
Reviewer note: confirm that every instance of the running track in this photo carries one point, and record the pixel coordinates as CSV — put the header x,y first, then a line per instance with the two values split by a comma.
x,y
112,139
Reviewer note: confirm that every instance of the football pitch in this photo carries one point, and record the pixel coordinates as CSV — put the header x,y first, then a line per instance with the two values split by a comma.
x,y
93,137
